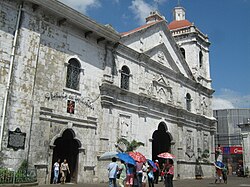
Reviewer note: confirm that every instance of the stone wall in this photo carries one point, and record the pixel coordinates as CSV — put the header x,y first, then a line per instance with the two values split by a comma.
x,y
103,111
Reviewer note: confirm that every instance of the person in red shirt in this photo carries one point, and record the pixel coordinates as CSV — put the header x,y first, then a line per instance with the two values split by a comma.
x,y
170,174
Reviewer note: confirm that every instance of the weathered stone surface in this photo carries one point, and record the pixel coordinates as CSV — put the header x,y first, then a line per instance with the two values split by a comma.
x,y
159,81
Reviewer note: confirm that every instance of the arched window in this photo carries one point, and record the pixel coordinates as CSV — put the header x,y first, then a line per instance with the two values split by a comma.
x,y
188,101
73,74
125,78
200,59
183,52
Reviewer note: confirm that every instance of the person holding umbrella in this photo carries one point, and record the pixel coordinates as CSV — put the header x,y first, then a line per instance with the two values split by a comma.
x,y
170,174
156,171
218,166
112,172
122,170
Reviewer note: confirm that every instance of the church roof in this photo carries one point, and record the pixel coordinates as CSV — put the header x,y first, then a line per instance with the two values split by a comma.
x,y
179,24
140,28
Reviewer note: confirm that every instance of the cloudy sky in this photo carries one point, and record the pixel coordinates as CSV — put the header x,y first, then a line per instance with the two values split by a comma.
x,y
227,23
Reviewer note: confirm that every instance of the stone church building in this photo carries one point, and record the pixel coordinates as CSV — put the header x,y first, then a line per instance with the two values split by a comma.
x,y
70,88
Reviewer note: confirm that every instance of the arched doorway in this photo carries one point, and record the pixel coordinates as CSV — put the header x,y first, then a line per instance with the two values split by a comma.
x,y
66,147
161,141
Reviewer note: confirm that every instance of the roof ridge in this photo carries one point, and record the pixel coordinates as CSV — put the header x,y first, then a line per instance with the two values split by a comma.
x,y
140,28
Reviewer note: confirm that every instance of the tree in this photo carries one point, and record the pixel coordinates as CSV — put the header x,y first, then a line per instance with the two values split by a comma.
x,y
130,146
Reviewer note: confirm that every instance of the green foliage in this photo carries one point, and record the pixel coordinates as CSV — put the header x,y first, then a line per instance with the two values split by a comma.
x,y
130,146
6,176
22,175
23,167
205,154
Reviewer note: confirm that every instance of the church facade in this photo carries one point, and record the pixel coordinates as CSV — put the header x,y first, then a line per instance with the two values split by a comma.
x,y
70,88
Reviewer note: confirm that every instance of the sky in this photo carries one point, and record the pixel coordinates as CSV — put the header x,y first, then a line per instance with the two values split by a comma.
x,y
226,22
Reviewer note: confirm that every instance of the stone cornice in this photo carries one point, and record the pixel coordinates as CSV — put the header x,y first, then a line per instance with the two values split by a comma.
x,y
78,19
47,114
145,105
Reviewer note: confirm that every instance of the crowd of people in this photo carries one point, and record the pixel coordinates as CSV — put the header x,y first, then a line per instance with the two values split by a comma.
x,y
141,174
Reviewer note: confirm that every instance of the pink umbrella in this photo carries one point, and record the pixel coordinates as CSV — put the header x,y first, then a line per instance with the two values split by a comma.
x,y
166,155
137,156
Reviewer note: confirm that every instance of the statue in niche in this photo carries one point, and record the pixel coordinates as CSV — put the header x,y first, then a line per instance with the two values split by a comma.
x,y
204,106
205,143
124,125
162,95
161,56
189,145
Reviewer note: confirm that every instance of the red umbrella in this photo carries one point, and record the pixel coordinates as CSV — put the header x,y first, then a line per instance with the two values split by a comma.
x,y
166,155
137,156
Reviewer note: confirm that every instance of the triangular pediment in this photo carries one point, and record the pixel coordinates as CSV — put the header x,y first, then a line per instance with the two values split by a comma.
x,y
156,41
161,55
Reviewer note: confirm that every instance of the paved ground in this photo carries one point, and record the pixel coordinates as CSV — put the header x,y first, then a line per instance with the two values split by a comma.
x,y
232,182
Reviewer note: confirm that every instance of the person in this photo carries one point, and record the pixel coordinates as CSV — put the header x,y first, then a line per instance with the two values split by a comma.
x,y
224,174
139,173
170,173
112,172
64,170
144,175
156,172
122,171
56,168
130,175
218,175
150,176
164,172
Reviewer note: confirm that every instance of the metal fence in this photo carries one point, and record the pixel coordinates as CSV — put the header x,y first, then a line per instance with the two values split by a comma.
x,y
14,177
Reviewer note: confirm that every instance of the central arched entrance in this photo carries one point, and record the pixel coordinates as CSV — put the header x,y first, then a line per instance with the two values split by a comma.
x,y
161,141
66,147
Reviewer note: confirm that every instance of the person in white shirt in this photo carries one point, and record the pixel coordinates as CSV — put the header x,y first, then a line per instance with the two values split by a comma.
x,y
56,168
112,172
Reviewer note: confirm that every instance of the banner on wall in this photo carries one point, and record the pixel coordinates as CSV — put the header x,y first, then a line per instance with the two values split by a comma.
x,y
232,150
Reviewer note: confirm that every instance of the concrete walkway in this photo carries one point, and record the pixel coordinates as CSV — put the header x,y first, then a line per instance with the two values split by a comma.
x,y
233,181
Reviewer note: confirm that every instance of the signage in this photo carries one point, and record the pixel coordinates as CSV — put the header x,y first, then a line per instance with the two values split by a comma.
x,y
232,150
236,150
16,139
88,102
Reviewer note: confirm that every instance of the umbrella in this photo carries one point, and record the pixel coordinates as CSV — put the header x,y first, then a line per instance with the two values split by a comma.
x,y
126,158
219,165
151,163
108,155
166,155
137,156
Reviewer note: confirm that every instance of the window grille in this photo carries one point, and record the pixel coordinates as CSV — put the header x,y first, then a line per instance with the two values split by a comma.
x,y
188,101
125,78
73,75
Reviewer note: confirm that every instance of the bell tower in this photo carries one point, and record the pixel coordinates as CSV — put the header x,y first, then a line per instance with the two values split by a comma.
x,y
193,44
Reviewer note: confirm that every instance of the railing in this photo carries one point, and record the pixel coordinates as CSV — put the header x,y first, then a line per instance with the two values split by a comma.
x,y
14,177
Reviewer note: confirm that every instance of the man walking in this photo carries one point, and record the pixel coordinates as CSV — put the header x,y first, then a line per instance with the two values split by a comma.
x,y
112,169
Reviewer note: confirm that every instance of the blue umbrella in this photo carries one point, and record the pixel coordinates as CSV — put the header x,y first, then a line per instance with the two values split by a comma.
x,y
219,164
150,162
126,158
